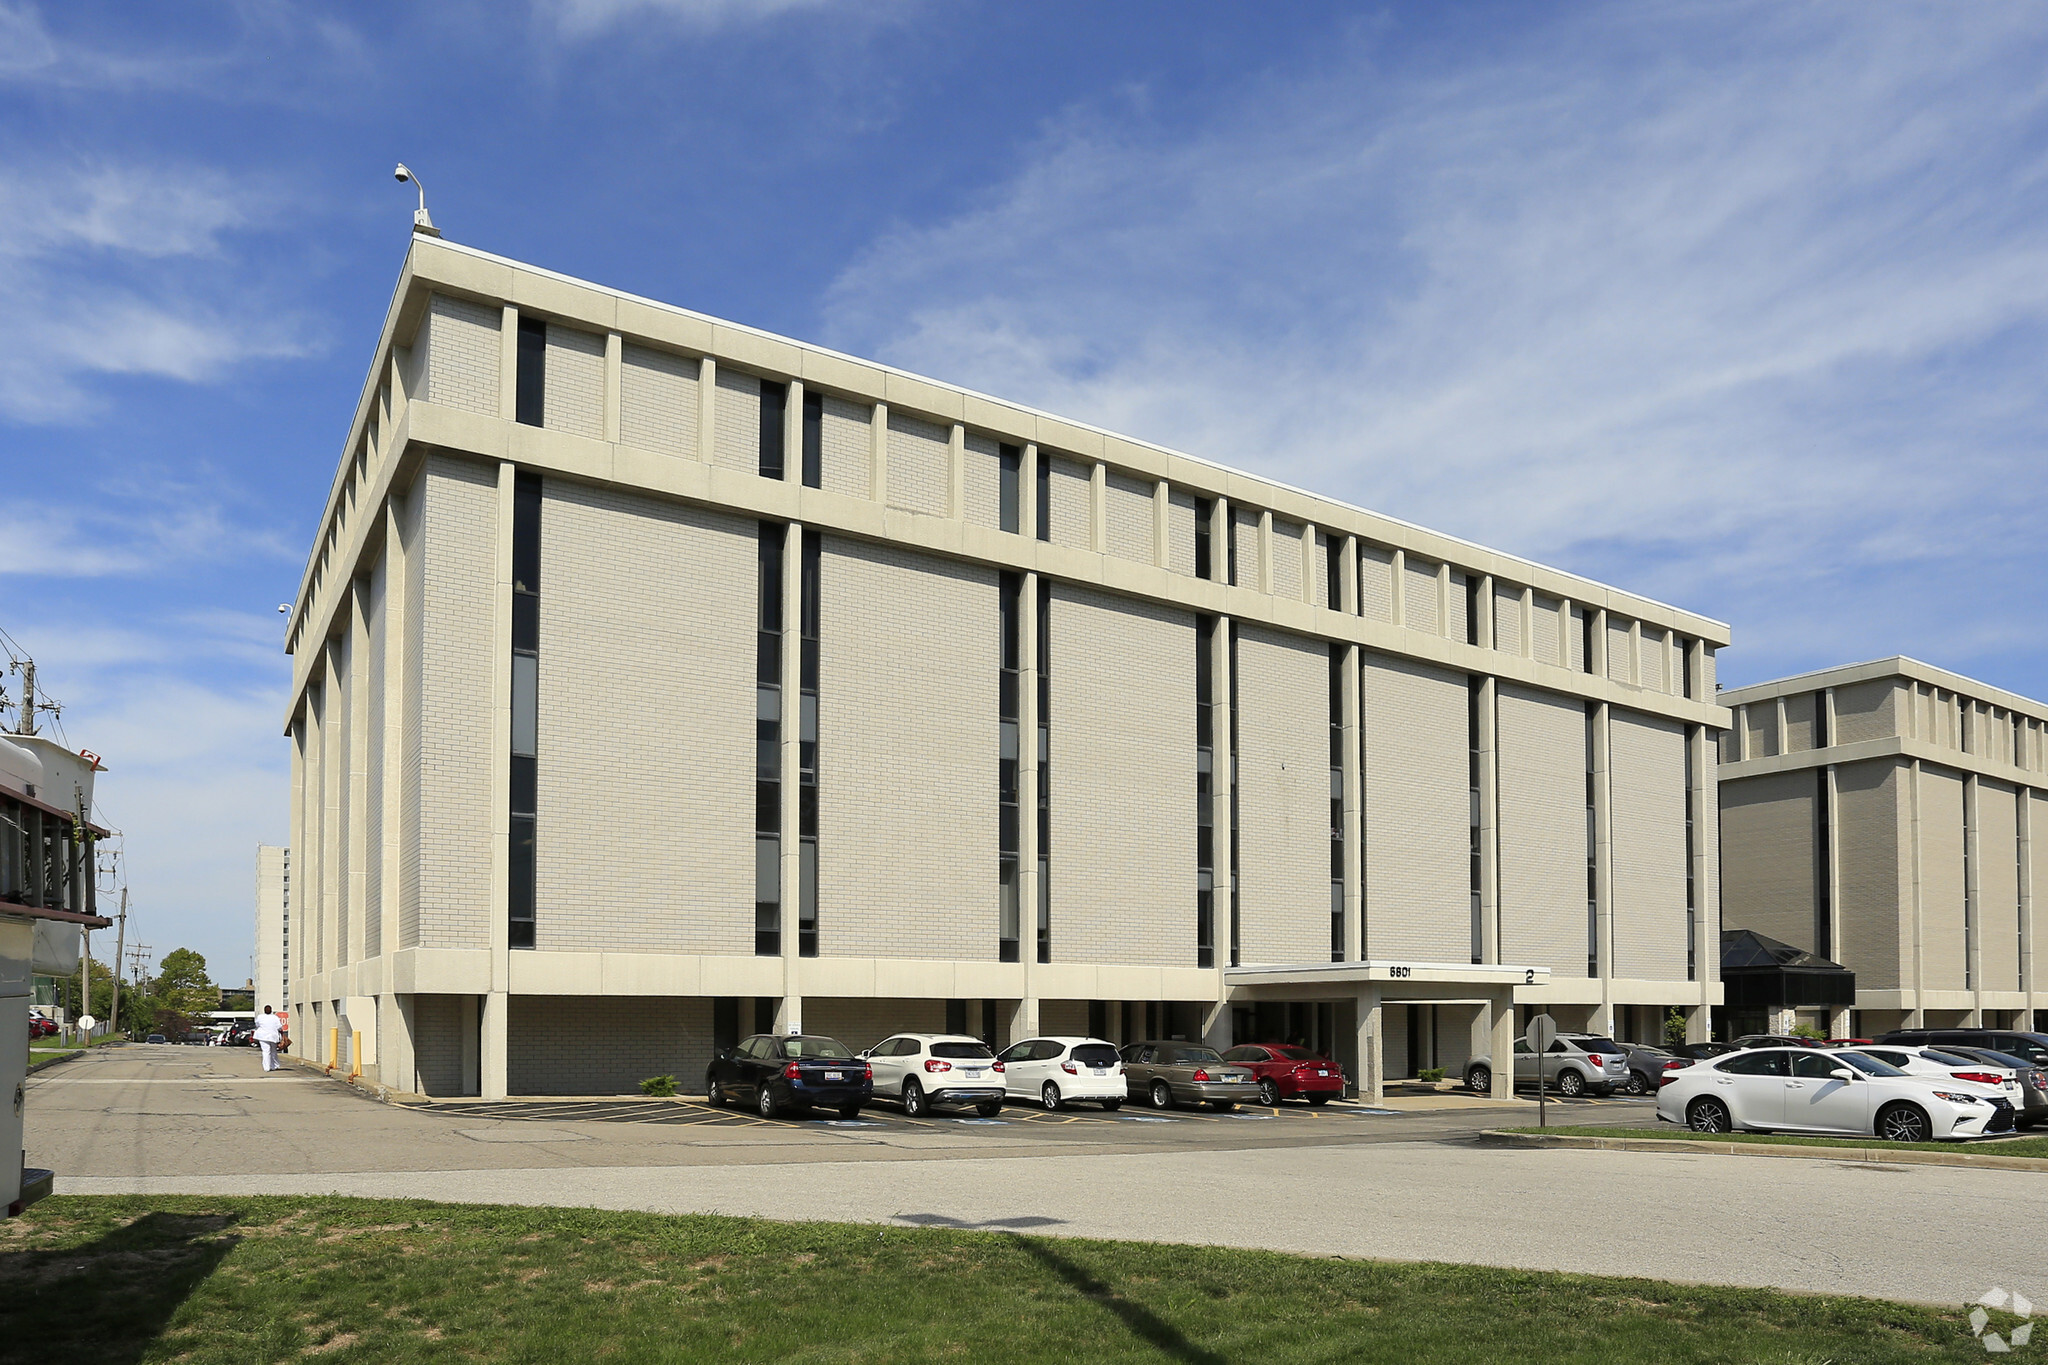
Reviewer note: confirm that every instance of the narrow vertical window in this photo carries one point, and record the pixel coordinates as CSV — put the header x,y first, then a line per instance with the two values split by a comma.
x,y
1205,516
1592,843
811,560
814,439
1235,707
1336,801
1009,761
1205,788
1043,479
1333,572
1230,557
768,743
522,870
1586,624
1685,666
1009,474
1044,770
1692,903
774,403
531,378
1473,585
1823,868
1473,698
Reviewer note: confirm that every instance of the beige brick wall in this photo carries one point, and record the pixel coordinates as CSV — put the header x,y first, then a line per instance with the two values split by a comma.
x,y
1542,766
411,738
1419,596
917,464
1376,582
1873,910
907,755
1998,886
605,1045
341,747
1575,640
1619,652
982,482
1287,559
1244,532
437,1044
1460,609
1180,531
1129,515
1319,572
1283,783
1122,741
1941,879
1655,658
1868,710
1507,619
646,725
575,387
1800,713
1545,632
844,445
736,422
1770,888
373,824
860,1024
456,355
458,670
1647,794
1761,729
658,401
1071,520
1418,839
1063,1019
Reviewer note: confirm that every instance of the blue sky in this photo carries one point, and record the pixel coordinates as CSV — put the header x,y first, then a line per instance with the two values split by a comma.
x,y
1737,305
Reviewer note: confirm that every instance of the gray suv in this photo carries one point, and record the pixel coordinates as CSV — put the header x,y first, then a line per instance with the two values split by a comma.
x,y
1576,1064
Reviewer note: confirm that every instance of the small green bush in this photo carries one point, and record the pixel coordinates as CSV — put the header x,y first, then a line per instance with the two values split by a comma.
x,y
1807,1031
662,1086
1674,1026
1430,1073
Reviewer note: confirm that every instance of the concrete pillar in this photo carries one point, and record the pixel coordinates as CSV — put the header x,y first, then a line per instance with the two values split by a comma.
x,y
956,470
469,1037
1372,1067
1264,573
1029,891
1916,1014
493,1038
508,365
1024,1018
707,408
1098,508
1216,1025
1162,525
1603,825
398,1049
791,723
1489,821
1502,1045
878,454
1027,493
1354,810
1973,899
793,434
789,1012
1399,588
614,359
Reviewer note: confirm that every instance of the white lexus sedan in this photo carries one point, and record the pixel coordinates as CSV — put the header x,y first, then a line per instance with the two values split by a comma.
x,y
1052,1071
1812,1090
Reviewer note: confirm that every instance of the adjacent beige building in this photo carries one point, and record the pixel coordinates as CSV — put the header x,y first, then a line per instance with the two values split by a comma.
x,y
657,679
1883,815
273,977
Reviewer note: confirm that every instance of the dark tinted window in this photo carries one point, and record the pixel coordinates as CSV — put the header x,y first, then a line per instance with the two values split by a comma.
x,y
1245,1054
1868,1065
2001,1058
1597,1045
967,1050
1046,1050
1940,1058
1819,1066
1888,1058
814,1047
1017,1053
1195,1055
530,380
1754,1064
1296,1054
1137,1053
1095,1054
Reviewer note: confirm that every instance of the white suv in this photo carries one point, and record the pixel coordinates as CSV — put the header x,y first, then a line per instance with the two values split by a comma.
x,y
924,1069
1055,1070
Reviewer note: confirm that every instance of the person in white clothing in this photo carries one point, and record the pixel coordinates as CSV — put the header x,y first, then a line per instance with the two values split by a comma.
x,y
269,1033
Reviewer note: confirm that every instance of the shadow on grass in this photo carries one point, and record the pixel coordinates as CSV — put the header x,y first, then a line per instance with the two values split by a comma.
x,y
1138,1319
108,1300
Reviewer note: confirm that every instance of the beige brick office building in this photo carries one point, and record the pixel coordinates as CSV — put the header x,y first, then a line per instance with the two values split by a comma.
x,y
1883,815
657,679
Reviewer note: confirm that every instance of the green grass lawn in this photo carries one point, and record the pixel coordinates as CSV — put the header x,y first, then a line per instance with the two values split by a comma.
x,y
2014,1146
239,1280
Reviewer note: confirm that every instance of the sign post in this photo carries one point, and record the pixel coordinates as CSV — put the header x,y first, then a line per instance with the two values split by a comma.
x,y
1541,1034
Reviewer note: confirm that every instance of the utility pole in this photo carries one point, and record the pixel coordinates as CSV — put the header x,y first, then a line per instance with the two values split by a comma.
x,y
25,718
120,942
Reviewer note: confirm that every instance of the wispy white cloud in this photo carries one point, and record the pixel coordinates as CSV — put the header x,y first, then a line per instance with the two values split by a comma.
x,y
130,530
584,18
266,51
1714,298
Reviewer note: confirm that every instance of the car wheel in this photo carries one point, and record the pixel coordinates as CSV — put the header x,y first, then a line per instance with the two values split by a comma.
x,y
1904,1123
714,1093
1162,1095
1479,1080
1224,1106
1050,1097
1318,1100
764,1101
1112,1105
849,1111
1709,1116
914,1102
1570,1084
1638,1083
1269,1094
988,1109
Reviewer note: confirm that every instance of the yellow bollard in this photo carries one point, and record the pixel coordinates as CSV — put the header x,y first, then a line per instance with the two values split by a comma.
x,y
333,1046
355,1054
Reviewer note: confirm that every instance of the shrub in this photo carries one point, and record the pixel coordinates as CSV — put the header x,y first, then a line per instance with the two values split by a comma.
x,y
1674,1026
662,1086
1807,1031
1431,1074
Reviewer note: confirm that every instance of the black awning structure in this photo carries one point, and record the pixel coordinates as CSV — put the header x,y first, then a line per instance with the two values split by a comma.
x,y
1762,973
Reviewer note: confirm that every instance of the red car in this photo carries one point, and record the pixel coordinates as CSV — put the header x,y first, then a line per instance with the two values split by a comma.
x,y
39,1027
1285,1072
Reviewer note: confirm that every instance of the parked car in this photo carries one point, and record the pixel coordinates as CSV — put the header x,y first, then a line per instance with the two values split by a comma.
x,y
1808,1090
1847,1042
1285,1072
1749,1040
1937,1064
2033,1080
802,1072
39,1027
1700,1052
924,1069
2030,1047
1645,1064
156,1038
1576,1064
1053,1071
1166,1073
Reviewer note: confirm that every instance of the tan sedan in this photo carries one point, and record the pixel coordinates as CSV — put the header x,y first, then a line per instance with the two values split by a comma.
x,y
1163,1074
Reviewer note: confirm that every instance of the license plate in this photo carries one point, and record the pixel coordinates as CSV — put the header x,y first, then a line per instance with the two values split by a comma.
x,y
1102,1071
972,1075
835,1075
1322,1073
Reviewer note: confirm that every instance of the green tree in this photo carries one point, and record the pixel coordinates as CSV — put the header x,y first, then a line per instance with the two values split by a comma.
x,y
182,984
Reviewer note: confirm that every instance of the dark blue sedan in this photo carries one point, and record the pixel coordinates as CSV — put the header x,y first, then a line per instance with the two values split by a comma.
x,y
801,1072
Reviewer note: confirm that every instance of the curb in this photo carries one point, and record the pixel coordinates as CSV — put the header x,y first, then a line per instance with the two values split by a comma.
x,y
1497,1137
49,1062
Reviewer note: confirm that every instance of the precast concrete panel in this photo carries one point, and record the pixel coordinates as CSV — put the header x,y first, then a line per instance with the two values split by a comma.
x,y
1771,887
1941,880
658,401
908,754
1122,741
1542,821
644,833
1998,886
1418,830
1283,784
1647,786
1873,894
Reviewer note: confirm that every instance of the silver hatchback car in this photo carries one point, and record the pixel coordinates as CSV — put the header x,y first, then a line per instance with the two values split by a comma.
x,y
1576,1064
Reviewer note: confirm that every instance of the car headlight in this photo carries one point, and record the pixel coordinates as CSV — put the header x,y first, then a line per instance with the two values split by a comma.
x,y
1954,1098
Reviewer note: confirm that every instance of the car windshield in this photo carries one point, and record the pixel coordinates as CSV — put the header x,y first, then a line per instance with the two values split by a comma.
x,y
1193,1054
1095,1054
1869,1066
958,1050
1296,1054
815,1047
1940,1058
